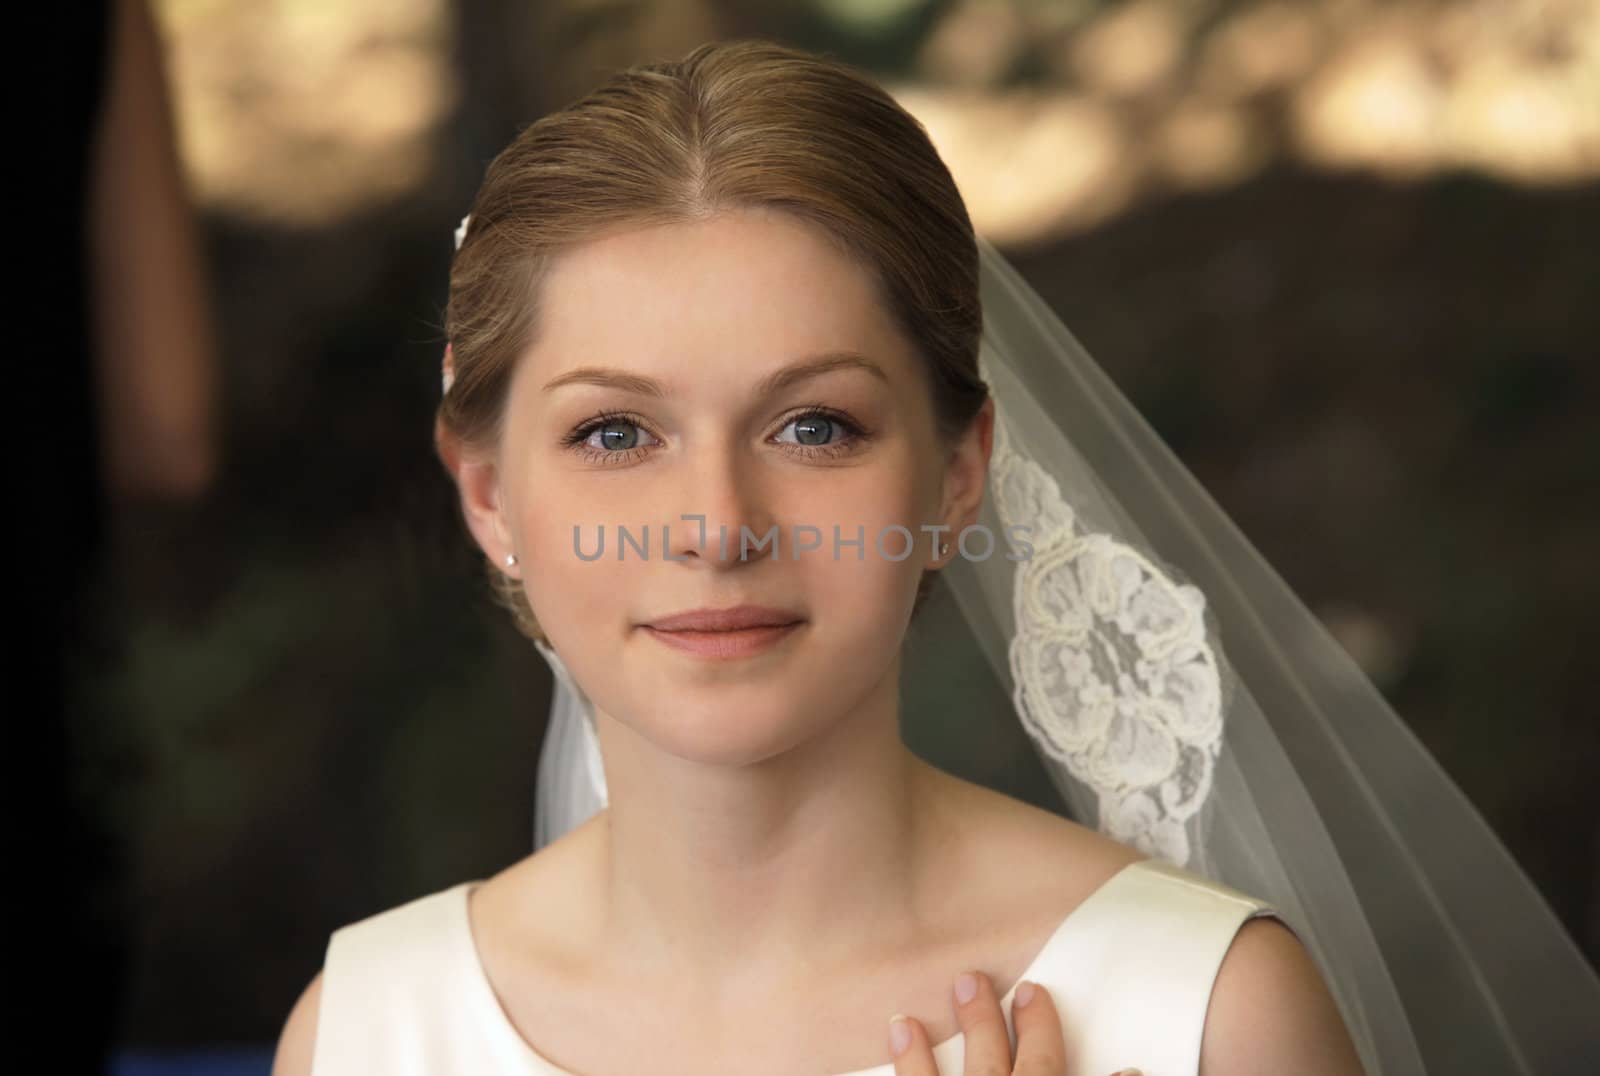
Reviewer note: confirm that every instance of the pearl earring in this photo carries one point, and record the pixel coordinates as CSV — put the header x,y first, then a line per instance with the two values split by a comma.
x,y
511,560
944,547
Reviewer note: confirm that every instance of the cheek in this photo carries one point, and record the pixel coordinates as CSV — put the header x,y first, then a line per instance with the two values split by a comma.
x,y
874,581
576,601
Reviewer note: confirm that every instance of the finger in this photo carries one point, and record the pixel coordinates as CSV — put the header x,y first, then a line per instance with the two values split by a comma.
x,y
1041,1050
983,1025
909,1046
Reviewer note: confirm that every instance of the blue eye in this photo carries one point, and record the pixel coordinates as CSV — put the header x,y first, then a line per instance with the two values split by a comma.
x,y
614,437
813,429
618,439
618,436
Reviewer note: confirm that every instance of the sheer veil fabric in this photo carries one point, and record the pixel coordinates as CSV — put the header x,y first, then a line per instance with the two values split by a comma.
x,y
1183,700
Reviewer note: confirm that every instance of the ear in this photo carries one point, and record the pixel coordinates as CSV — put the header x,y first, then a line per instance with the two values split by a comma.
x,y
967,472
477,479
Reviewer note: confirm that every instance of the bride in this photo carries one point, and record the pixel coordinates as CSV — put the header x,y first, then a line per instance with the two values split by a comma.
x,y
732,391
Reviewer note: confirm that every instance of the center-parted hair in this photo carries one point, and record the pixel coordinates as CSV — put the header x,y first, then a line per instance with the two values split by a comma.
x,y
745,124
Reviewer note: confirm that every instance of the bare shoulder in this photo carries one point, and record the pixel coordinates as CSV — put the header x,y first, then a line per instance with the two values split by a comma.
x,y
1060,862
299,1035
1271,1011
543,910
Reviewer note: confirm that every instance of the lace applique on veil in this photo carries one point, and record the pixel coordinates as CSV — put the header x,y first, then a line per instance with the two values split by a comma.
x,y
1114,673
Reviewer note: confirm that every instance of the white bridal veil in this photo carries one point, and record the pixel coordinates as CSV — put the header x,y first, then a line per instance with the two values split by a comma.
x,y
1183,700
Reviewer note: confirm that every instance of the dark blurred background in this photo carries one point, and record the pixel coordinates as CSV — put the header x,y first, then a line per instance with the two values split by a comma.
x,y
1341,253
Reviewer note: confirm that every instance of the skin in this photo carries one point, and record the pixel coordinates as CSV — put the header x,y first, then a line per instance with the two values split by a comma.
x,y
745,794
694,924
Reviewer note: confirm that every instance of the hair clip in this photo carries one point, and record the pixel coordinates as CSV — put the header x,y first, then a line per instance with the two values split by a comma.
x,y
449,376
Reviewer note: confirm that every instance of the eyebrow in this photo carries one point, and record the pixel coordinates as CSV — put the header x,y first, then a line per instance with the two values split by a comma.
x,y
803,369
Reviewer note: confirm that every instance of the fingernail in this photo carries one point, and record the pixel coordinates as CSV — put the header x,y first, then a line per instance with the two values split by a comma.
x,y
899,1035
1130,1072
1025,995
966,987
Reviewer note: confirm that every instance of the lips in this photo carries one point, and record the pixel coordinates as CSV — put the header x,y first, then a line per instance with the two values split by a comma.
x,y
738,618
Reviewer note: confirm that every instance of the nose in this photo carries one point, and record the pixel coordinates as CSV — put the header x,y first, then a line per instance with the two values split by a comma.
x,y
722,496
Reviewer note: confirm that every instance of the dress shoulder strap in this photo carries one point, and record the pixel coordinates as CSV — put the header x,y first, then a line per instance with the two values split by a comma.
x,y
1133,968
387,986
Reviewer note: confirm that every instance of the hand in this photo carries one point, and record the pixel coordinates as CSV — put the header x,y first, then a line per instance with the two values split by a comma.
x,y
1041,1051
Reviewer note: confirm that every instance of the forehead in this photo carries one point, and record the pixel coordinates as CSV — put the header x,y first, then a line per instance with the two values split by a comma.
x,y
737,294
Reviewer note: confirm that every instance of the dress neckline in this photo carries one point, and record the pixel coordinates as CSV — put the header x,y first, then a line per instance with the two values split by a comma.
x,y
499,1023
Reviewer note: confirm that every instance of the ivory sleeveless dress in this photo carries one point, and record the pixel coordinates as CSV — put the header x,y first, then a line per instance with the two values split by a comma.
x,y
1130,970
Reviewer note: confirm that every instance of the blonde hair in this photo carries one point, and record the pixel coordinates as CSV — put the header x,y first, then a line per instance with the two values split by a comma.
x,y
732,125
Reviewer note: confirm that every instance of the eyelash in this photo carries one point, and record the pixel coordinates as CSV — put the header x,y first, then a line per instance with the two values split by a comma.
x,y
577,438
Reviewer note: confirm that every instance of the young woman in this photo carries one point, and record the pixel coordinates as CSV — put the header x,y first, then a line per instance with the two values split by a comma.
x,y
714,407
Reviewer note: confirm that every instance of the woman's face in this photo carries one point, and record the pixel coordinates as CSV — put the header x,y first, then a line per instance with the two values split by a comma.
x,y
683,371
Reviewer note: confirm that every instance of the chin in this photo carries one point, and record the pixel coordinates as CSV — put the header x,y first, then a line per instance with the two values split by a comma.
x,y
718,733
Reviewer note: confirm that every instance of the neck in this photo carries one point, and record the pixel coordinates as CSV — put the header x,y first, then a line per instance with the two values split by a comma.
x,y
730,878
